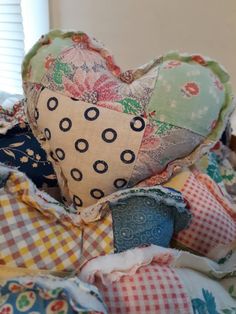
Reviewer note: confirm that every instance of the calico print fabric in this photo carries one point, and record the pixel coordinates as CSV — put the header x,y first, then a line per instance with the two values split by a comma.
x,y
83,73
49,295
218,166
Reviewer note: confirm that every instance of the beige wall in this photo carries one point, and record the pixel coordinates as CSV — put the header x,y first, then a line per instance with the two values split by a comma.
x,y
138,30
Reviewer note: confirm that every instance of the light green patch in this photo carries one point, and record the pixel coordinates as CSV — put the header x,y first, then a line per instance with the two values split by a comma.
x,y
162,127
195,109
37,56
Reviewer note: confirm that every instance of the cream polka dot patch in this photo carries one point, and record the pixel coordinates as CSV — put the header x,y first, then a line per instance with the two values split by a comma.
x,y
95,148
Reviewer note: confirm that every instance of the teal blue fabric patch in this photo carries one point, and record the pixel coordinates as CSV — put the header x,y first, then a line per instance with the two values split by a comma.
x,y
140,220
208,305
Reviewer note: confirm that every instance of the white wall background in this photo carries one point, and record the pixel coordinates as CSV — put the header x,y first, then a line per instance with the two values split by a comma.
x,y
34,13
138,30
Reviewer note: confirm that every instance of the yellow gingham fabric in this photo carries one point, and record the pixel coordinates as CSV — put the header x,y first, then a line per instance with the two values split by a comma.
x,y
97,238
31,235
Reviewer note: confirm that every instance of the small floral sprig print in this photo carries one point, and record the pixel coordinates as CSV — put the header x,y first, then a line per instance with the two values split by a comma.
x,y
23,301
58,307
190,89
6,309
28,155
173,64
218,84
15,288
48,61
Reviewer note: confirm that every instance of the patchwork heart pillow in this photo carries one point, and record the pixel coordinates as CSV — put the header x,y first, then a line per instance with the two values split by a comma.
x,y
105,130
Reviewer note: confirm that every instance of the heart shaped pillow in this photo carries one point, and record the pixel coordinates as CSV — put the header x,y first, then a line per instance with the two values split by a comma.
x,y
105,130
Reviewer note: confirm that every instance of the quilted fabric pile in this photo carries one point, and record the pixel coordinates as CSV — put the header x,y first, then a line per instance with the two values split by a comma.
x,y
146,219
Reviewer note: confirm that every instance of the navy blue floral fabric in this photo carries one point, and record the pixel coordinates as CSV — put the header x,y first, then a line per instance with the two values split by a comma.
x,y
19,148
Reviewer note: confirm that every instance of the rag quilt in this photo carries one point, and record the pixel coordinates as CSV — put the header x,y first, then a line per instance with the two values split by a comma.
x,y
117,189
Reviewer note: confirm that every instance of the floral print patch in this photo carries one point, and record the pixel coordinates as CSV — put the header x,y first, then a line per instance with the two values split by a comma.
x,y
49,295
19,148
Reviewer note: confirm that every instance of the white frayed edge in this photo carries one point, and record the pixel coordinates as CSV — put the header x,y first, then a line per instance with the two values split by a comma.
x,y
123,263
111,268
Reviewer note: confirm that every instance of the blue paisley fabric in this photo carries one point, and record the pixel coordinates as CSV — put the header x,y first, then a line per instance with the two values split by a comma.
x,y
151,218
19,148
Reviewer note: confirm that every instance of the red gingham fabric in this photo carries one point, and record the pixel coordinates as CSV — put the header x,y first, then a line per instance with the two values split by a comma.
x,y
211,224
152,289
215,190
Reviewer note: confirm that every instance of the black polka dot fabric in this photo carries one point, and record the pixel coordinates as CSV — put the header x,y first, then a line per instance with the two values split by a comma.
x,y
93,147
100,166
76,174
52,103
36,114
81,145
60,153
120,183
91,113
52,155
77,202
97,193
127,156
65,124
109,135
47,133
137,124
